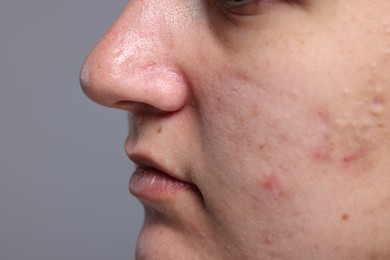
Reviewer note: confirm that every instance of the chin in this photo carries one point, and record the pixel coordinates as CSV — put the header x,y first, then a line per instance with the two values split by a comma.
x,y
159,241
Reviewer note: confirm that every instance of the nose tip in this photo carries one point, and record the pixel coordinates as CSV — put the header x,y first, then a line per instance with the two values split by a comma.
x,y
160,86
131,67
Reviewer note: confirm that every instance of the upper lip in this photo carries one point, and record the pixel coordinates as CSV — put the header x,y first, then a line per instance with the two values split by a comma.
x,y
142,160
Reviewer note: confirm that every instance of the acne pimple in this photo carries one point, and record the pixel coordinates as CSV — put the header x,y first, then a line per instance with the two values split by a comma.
x,y
350,158
269,183
272,184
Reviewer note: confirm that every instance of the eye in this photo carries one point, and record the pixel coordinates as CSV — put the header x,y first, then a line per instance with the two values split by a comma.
x,y
246,7
234,3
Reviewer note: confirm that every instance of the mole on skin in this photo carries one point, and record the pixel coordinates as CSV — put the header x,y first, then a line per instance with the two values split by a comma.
x,y
345,217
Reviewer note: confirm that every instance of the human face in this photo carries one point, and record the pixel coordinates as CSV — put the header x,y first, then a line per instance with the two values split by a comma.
x,y
274,115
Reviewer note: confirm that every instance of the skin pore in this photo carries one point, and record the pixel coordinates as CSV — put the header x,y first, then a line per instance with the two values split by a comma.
x,y
278,112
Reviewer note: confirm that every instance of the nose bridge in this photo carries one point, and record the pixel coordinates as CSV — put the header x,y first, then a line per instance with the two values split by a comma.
x,y
136,37
132,63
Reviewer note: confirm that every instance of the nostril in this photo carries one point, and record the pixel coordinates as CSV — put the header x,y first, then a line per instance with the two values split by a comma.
x,y
125,105
129,105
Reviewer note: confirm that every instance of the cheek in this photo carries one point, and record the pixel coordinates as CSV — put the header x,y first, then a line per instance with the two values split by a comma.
x,y
351,128
251,129
302,111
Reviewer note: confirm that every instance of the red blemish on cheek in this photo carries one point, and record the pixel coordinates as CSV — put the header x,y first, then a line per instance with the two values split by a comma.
x,y
322,155
324,116
351,158
271,184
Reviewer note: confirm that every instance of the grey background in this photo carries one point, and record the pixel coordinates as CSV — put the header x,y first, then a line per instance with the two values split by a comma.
x,y
63,172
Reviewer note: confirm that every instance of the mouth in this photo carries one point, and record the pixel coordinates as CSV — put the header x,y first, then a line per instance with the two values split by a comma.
x,y
153,185
150,183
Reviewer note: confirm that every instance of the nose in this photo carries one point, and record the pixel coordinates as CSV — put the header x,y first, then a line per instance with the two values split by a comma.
x,y
134,64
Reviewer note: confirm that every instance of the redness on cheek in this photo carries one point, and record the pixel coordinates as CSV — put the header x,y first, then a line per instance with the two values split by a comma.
x,y
353,157
323,153
327,154
272,185
339,144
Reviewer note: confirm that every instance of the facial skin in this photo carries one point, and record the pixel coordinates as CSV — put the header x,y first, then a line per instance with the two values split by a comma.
x,y
277,111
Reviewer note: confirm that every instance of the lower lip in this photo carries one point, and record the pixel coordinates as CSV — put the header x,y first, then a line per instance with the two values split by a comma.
x,y
151,184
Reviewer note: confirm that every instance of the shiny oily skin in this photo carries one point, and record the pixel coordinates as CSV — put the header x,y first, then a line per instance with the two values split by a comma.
x,y
280,116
